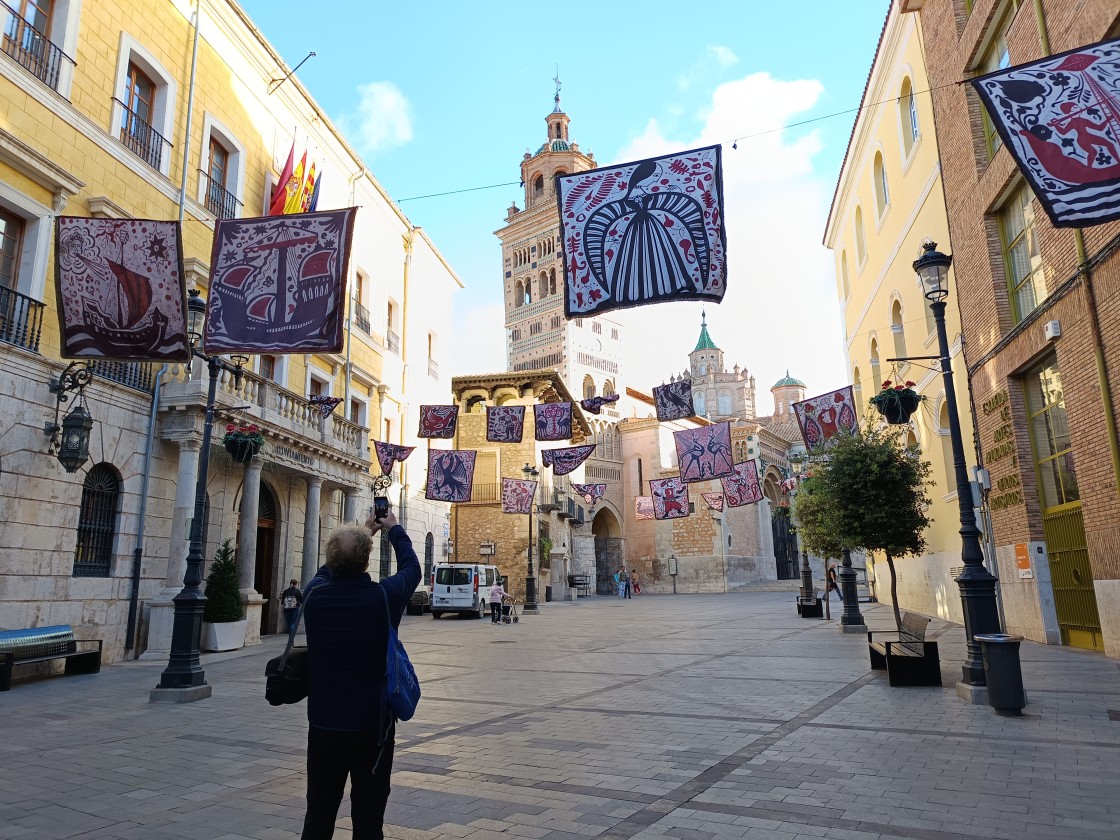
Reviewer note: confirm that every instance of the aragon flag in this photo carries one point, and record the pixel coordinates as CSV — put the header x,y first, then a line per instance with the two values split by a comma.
x,y
280,190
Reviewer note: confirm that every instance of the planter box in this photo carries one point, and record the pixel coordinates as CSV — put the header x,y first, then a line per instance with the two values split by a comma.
x,y
897,411
228,635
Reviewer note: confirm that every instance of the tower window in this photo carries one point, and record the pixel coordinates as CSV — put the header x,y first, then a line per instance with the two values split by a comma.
x,y
538,184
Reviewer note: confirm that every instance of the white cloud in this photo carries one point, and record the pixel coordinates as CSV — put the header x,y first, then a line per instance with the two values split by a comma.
x,y
713,58
480,344
723,56
383,119
780,309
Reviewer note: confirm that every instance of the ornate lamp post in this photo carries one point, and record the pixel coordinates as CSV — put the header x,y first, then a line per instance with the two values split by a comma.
x,y
977,584
531,607
808,607
183,680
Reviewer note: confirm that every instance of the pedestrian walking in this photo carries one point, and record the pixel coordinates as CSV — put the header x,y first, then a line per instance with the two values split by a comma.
x,y
634,584
833,583
620,582
348,733
497,595
290,600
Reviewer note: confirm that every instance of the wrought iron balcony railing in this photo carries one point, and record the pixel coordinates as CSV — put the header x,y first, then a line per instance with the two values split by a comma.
x,y
485,494
138,375
21,319
220,201
31,49
361,317
143,140
392,341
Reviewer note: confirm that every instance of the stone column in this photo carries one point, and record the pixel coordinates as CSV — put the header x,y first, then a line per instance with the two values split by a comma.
x,y
161,609
247,533
350,509
311,530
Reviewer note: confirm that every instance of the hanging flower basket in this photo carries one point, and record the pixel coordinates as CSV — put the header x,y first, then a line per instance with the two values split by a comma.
x,y
897,402
243,442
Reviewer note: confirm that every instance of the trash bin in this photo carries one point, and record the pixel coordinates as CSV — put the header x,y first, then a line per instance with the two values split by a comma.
x,y
547,594
1003,672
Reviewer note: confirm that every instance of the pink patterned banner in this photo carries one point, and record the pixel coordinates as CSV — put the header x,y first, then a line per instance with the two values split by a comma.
x,y
714,500
518,495
567,458
505,423
674,401
643,232
826,416
277,283
553,420
705,452
670,498
643,507
389,453
438,421
450,475
121,293
591,493
742,487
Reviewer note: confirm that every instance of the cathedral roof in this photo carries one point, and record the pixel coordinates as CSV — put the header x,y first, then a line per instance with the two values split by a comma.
x,y
554,146
788,381
705,342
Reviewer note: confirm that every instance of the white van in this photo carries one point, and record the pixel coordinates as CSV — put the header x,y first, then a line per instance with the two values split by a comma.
x,y
462,588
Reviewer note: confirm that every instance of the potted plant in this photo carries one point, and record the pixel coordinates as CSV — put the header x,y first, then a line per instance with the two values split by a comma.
x,y
896,402
243,441
223,618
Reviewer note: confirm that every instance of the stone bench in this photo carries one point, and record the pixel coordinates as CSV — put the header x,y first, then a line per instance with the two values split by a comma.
x,y
45,644
907,658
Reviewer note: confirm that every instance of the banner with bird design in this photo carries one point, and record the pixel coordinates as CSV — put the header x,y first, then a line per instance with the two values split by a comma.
x,y
450,475
705,452
121,290
553,421
643,232
1060,119
389,454
438,421
826,416
674,401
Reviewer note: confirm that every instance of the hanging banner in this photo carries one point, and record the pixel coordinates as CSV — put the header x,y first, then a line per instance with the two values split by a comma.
x,y
595,404
325,404
670,498
742,487
277,283
505,423
674,401
1060,119
590,493
121,292
714,500
705,452
826,416
567,458
450,475
553,420
643,232
518,495
643,507
389,453
438,421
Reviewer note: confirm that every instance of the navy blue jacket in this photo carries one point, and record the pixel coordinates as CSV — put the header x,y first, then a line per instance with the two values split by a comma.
x,y
347,638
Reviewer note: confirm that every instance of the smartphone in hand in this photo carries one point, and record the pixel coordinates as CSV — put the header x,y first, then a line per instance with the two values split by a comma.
x,y
380,507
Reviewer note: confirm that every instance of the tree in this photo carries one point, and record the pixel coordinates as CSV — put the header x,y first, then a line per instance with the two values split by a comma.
x,y
813,515
223,596
875,490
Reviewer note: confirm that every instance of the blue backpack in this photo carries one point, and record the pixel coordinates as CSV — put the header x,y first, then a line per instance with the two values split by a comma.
x,y
402,686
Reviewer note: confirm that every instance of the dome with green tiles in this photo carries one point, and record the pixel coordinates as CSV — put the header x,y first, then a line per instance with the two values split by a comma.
x,y
788,381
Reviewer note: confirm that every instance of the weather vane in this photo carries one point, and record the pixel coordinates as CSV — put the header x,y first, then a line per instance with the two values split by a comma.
x,y
556,79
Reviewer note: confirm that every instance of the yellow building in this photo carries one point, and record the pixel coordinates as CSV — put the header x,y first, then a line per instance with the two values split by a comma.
x,y
146,110
888,200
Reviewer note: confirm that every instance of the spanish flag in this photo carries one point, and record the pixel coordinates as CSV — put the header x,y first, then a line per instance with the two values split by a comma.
x,y
295,185
307,191
280,191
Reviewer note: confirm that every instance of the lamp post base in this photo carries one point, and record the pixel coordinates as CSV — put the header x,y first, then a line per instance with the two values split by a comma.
x,y
531,607
977,695
187,694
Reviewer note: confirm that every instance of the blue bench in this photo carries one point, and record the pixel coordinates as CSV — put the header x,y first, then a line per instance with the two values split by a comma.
x,y
45,644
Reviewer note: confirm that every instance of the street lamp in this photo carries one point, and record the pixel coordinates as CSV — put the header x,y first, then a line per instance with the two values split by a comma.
x,y
977,584
183,680
808,606
531,607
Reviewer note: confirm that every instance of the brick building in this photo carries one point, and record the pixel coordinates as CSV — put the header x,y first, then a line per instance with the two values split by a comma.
x,y
1039,310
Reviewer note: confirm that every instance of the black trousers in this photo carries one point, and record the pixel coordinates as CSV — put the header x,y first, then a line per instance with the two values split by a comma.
x,y
333,755
495,612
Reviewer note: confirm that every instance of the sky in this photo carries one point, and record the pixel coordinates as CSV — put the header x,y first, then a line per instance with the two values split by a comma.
x,y
444,96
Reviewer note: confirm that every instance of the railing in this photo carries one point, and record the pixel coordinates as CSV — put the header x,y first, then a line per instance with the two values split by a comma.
x,y
31,49
361,317
220,201
392,341
138,375
140,138
485,494
21,319
433,368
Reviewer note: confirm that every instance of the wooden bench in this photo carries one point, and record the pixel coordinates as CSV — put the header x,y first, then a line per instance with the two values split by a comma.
x,y
907,658
44,644
580,583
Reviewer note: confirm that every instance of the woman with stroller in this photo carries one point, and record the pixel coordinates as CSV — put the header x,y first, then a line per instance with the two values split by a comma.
x,y
497,595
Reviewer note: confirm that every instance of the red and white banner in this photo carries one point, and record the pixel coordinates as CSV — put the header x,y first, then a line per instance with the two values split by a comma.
x,y
714,500
643,507
518,495
1060,119
438,421
704,452
742,487
590,493
670,498
826,416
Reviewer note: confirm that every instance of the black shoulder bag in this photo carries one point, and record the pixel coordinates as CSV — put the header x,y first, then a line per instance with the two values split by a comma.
x,y
288,676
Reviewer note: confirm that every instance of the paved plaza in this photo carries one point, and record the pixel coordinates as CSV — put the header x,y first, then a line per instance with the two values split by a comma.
x,y
697,717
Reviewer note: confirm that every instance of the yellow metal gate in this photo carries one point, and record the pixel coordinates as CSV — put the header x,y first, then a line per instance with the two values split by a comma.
x,y
1072,578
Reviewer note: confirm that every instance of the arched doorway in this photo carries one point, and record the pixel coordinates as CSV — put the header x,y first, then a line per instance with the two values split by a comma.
x,y
609,554
264,576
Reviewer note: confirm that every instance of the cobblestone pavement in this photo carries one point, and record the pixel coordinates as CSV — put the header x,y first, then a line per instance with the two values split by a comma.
x,y
692,717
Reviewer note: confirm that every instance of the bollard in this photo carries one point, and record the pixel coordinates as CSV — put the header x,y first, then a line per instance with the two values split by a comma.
x,y
1003,672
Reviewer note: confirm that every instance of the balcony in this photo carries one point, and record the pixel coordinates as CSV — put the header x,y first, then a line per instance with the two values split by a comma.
x,y
31,49
219,200
361,316
485,494
433,368
392,341
141,139
21,319
138,375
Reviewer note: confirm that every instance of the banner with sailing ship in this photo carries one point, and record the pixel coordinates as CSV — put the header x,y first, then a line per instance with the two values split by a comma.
x,y
121,293
277,283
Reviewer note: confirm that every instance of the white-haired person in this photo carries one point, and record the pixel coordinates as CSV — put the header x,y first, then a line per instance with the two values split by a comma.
x,y
350,728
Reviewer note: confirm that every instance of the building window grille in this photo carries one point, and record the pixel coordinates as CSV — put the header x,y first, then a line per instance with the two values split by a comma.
x,y
97,523
386,557
429,554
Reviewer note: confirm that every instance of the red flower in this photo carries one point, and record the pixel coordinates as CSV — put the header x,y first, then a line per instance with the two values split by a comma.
x,y
887,384
910,384
230,427
900,387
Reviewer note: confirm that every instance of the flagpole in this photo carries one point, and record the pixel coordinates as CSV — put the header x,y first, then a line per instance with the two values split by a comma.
x,y
190,114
